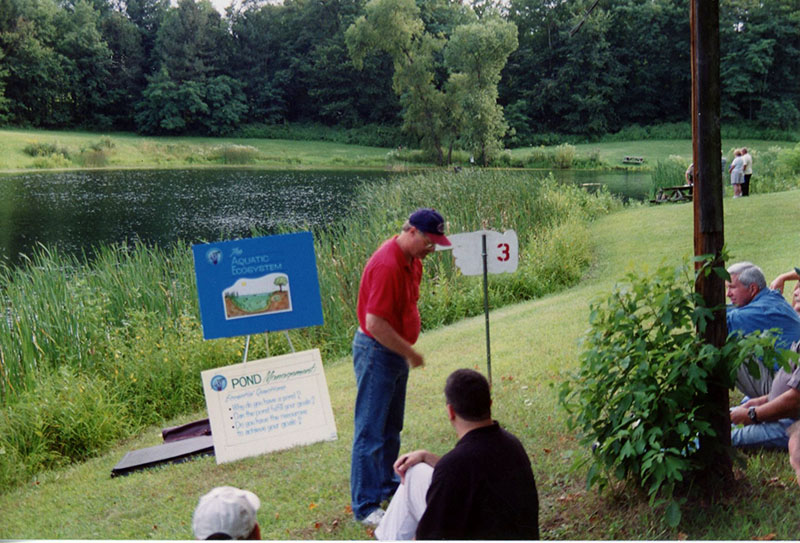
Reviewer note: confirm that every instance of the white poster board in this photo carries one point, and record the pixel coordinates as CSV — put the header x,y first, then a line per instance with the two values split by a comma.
x,y
502,251
266,405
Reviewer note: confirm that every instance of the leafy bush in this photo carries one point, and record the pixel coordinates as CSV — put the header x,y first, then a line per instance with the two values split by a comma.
x,y
51,162
45,149
638,394
564,156
777,169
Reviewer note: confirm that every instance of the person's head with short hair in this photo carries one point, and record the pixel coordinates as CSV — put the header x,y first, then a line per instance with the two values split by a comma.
x,y
744,150
738,152
227,513
467,392
747,280
422,232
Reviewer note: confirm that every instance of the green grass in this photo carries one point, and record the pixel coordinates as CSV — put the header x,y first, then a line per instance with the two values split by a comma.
x,y
304,491
132,151
652,150
123,150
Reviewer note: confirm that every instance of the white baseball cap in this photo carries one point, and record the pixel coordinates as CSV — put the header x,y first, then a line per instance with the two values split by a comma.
x,y
225,510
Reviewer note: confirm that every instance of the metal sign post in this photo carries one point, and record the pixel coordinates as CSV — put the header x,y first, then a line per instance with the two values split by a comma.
x,y
481,253
484,256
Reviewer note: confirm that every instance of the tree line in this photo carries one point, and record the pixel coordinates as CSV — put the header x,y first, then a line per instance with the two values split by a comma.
x,y
501,72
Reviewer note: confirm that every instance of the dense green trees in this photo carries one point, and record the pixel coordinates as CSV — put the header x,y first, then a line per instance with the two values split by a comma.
x,y
159,67
191,91
446,80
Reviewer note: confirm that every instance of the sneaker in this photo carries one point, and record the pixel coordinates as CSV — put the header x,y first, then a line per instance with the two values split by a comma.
x,y
374,518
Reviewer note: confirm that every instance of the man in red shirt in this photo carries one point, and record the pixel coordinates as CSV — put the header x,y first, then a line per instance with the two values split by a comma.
x,y
383,352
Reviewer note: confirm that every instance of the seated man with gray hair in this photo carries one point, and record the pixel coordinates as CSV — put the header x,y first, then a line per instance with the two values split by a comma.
x,y
773,402
757,308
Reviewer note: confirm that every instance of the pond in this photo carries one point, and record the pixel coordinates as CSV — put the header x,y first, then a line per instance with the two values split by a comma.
x,y
77,210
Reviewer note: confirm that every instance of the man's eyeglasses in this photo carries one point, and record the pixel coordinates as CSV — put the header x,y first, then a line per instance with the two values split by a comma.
x,y
428,242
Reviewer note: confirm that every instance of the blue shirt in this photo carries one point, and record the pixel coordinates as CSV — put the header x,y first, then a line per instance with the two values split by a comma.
x,y
767,310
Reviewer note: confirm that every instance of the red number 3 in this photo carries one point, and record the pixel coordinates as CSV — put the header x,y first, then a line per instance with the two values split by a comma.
x,y
504,252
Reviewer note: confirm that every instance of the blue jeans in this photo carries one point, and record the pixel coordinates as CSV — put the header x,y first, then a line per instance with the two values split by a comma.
x,y
767,435
381,377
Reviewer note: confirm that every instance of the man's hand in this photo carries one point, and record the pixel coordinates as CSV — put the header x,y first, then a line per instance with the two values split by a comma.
x,y
407,460
415,360
402,464
739,415
778,282
384,334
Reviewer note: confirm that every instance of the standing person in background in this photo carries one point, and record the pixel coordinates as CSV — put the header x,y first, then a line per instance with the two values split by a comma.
x,y
748,171
383,352
737,173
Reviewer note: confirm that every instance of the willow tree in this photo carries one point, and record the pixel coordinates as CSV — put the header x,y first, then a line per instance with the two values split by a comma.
x,y
477,53
440,110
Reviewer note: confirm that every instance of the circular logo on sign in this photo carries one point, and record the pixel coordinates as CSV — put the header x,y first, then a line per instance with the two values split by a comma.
x,y
218,383
214,256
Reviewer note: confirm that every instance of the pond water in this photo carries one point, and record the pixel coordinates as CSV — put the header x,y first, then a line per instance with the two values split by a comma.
x,y
78,210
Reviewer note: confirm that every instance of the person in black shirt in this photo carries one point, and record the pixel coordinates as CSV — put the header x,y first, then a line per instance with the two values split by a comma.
x,y
482,489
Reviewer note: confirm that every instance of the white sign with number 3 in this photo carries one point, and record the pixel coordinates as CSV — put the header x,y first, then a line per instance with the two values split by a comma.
x,y
502,251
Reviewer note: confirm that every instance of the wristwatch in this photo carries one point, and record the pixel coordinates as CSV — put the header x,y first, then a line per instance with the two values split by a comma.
x,y
751,412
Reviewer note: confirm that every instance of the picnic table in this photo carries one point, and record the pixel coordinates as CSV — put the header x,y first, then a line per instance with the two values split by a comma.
x,y
681,193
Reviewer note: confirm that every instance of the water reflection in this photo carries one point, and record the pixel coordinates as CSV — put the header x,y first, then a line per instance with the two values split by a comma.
x,y
75,211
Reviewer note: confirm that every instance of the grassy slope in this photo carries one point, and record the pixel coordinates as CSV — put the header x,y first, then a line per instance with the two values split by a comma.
x,y
132,151
304,491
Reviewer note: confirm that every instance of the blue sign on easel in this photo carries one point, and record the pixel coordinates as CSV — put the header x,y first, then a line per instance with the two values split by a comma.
x,y
256,285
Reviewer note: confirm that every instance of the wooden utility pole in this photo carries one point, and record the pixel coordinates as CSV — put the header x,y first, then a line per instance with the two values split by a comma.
x,y
708,213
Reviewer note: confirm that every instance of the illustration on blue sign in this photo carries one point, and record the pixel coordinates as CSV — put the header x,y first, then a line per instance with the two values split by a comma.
x,y
257,285
248,297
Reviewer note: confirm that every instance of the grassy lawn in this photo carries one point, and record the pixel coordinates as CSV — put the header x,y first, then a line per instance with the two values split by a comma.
x,y
121,150
132,151
305,493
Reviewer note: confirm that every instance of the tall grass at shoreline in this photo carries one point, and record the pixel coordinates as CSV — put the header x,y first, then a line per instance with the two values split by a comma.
x,y
92,351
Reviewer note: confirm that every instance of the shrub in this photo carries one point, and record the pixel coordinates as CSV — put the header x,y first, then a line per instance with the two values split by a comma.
x,y
51,162
44,149
563,156
777,169
236,154
638,394
94,158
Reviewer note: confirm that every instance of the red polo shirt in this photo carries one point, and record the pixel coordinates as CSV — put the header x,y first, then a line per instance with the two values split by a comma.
x,y
389,289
